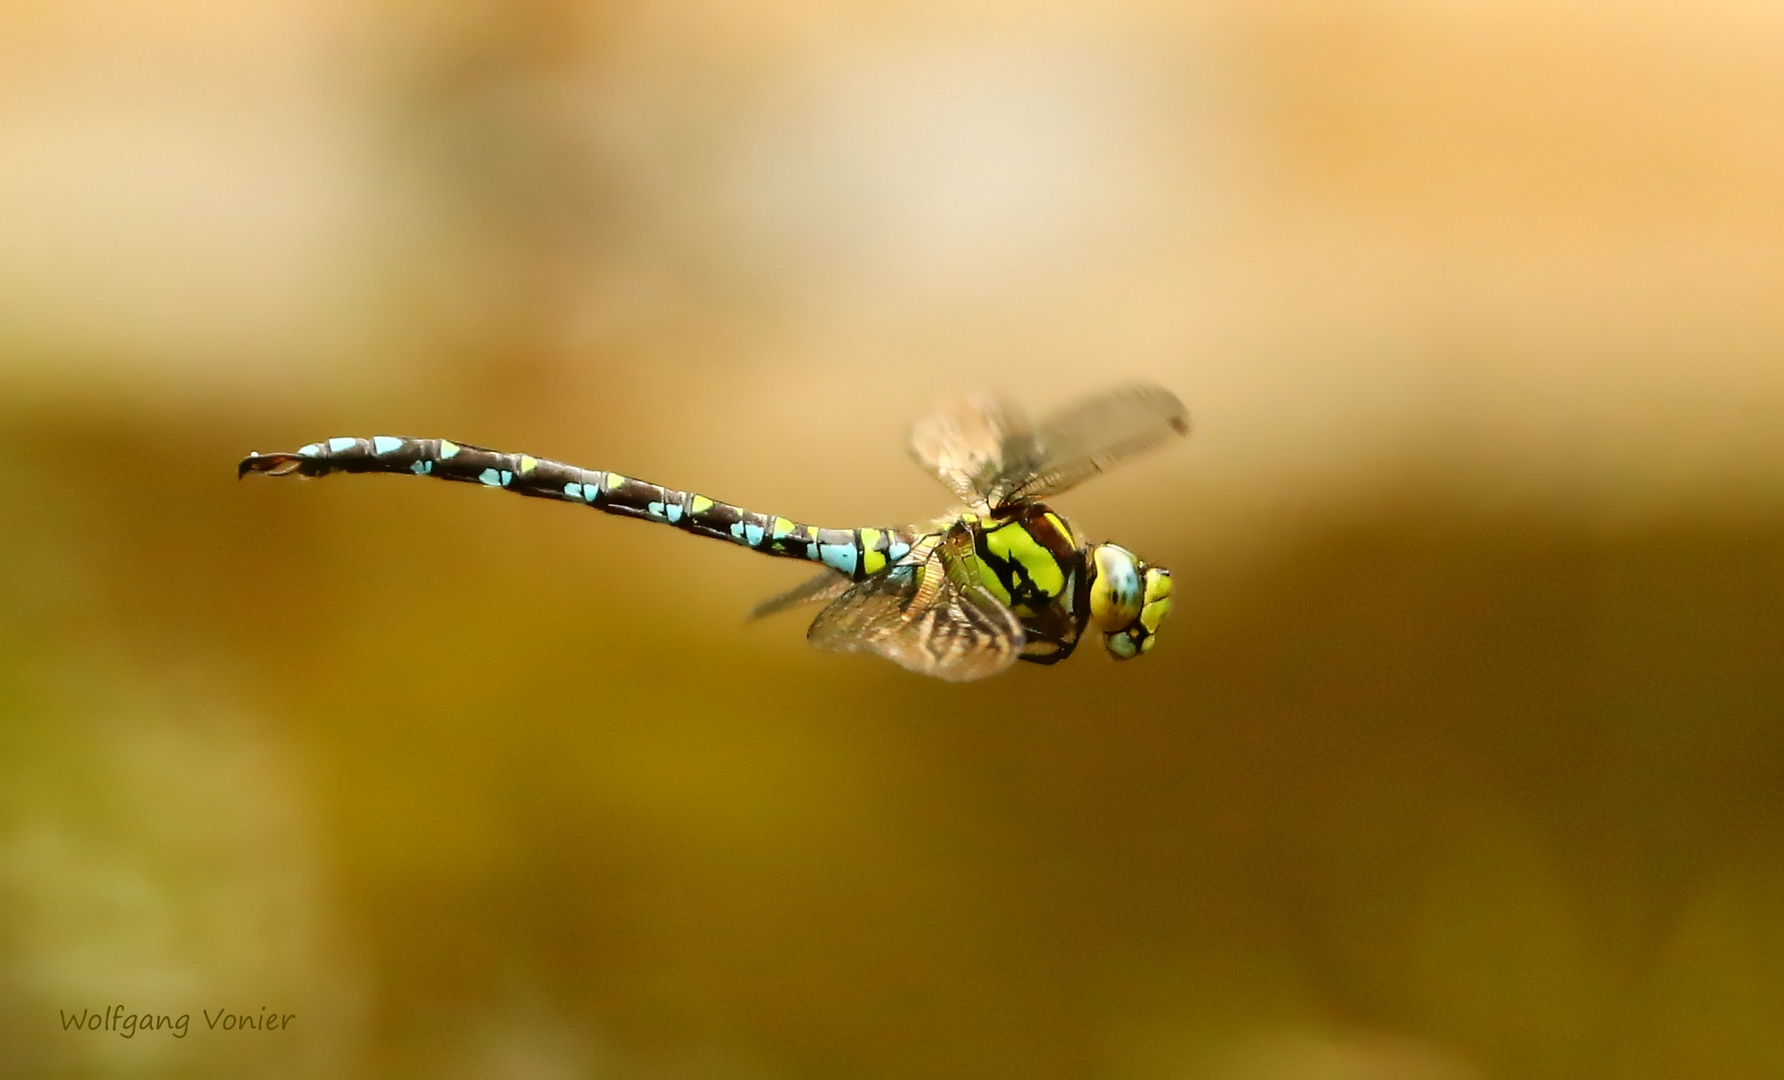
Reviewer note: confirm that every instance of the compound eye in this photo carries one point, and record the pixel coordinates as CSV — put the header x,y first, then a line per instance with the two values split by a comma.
x,y
1139,635
1118,593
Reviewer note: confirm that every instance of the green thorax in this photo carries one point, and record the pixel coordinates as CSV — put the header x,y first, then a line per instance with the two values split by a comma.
x,y
1030,560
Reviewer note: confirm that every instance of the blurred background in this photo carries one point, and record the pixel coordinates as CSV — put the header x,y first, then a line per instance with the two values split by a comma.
x,y
1461,757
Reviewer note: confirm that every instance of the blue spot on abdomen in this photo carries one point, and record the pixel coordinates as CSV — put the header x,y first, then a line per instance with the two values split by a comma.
x,y
839,557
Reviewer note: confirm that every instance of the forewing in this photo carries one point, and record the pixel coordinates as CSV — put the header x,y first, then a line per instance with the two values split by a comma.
x,y
1092,436
926,615
825,587
971,445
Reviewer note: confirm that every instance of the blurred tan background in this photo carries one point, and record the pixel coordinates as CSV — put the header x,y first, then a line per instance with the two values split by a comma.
x,y
1461,757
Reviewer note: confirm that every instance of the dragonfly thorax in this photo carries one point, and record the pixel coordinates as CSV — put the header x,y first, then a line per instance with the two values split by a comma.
x,y
1027,557
1030,561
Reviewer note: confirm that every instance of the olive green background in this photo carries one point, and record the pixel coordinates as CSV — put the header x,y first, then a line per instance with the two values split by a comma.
x,y
1461,756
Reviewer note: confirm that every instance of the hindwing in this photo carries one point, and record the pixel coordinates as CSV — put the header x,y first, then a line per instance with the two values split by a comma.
x,y
928,613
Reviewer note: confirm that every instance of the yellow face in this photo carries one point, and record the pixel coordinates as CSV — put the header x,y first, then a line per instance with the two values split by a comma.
x,y
1128,600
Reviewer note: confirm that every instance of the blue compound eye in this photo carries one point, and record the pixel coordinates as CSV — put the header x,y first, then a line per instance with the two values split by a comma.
x,y
1143,611
1117,593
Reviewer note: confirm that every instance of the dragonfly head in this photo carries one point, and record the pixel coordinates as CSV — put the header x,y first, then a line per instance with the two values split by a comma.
x,y
1128,599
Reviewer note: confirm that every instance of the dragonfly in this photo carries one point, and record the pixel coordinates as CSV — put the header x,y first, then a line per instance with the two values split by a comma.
x,y
1001,578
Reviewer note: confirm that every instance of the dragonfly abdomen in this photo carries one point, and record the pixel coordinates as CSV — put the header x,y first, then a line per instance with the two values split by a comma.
x,y
857,553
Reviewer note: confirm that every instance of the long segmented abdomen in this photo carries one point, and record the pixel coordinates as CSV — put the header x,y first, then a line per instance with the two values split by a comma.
x,y
858,553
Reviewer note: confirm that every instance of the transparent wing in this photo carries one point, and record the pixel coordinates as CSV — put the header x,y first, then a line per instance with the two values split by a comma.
x,y
825,587
969,445
1093,436
987,452
928,613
